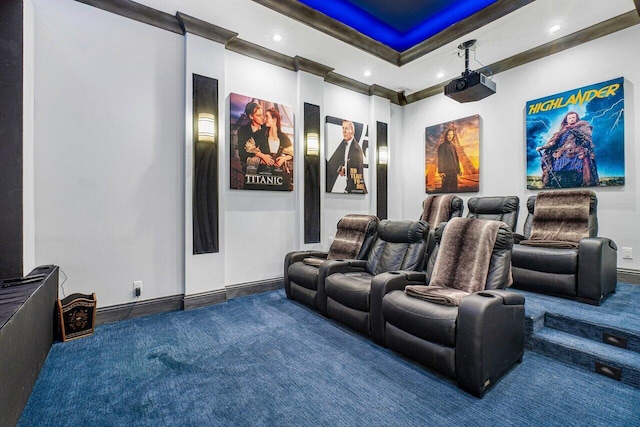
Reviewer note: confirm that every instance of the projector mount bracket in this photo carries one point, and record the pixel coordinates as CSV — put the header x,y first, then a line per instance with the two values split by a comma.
x,y
466,46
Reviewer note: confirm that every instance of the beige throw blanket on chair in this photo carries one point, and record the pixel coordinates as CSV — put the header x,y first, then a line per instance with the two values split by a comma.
x,y
437,209
462,265
560,219
348,240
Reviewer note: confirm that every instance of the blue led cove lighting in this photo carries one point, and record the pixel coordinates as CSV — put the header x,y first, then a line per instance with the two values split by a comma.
x,y
435,21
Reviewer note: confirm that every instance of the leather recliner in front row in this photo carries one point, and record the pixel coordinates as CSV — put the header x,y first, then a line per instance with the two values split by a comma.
x,y
400,245
474,342
354,236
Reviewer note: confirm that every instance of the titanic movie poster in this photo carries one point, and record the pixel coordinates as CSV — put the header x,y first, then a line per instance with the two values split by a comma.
x,y
452,156
347,156
261,144
576,138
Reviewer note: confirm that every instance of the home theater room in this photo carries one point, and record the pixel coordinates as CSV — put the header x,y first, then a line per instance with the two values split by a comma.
x,y
319,212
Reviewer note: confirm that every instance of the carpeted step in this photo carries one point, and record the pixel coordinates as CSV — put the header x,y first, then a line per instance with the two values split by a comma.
x,y
614,362
615,335
533,320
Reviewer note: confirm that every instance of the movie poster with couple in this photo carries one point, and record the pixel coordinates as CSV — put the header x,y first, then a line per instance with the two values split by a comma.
x,y
576,138
262,141
347,143
452,156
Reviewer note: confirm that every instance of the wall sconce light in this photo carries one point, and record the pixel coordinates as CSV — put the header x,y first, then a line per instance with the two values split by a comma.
x,y
206,127
313,144
383,155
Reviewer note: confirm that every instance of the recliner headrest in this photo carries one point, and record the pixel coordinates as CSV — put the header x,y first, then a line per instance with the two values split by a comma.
x,y
492,205
403,231
355,221
593,203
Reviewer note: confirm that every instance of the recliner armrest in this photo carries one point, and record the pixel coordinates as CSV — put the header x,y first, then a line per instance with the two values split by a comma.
x,y
381,285
489,338
597,269
297,256
508,297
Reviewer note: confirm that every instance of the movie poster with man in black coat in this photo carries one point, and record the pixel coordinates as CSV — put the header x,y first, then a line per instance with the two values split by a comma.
x,y
347,144
576,138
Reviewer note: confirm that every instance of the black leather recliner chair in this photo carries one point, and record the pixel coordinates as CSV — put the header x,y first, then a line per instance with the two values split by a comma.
x,y
587,273
475,342
400,245
301,279
496,208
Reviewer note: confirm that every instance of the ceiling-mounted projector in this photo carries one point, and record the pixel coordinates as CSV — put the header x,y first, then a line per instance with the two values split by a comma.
x,y
472,86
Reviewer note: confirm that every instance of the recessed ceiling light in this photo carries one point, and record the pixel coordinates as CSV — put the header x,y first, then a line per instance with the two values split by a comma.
x,y
277,37
367,73
440,75
554,28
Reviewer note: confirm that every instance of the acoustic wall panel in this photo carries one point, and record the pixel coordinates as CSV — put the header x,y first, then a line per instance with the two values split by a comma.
x,y
311,173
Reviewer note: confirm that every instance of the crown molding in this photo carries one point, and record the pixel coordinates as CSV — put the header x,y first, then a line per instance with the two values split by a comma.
x,y
192,25
260,53
304,64
138,12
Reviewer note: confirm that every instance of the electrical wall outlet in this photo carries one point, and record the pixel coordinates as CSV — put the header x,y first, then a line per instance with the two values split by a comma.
x,y
627,253
137,288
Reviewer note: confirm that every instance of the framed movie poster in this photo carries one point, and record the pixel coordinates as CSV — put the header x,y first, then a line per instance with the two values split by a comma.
x,y
347,156
576,138
261,144
452,156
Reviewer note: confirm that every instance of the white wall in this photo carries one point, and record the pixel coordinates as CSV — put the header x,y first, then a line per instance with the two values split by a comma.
x,y
202,272
260,226
502,149
111,132
109,135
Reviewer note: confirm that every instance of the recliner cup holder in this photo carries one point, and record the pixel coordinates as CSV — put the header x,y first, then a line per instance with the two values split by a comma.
x,y
486,295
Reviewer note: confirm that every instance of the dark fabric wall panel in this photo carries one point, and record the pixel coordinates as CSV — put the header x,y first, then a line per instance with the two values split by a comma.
x,y
11,44
311,177
381,176
205,165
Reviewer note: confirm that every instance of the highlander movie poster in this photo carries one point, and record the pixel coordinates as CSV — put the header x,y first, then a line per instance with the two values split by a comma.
x,y
452,156
261,144
347,153
576,138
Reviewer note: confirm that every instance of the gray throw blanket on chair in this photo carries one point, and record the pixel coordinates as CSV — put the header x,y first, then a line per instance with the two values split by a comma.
x,y
560,219
437,209
348,240
462,264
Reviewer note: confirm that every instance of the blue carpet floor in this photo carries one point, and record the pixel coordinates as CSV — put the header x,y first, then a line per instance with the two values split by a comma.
x,y
265,360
